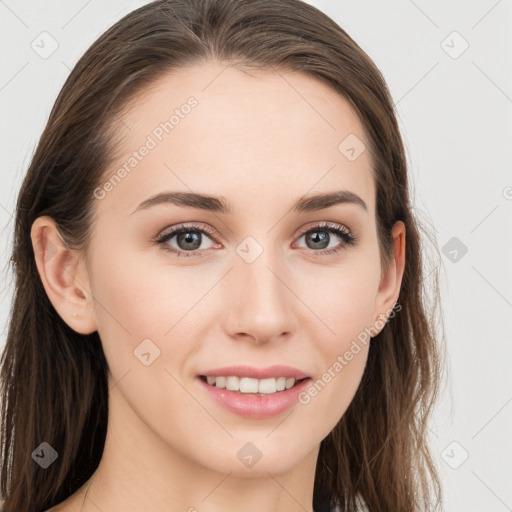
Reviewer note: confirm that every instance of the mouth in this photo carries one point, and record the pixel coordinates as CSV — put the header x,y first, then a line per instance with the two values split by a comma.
x,y
251,386
253,398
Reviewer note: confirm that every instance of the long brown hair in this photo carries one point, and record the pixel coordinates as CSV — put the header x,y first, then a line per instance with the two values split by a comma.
x,y
54,380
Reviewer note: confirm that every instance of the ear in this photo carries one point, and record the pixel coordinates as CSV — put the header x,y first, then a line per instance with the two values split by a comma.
x,y
391,279
64,276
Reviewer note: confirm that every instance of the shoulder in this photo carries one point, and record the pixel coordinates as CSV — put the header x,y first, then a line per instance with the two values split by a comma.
x,y
57,508
71,504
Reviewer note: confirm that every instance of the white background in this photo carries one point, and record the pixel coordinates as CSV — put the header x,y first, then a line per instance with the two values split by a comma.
x,y
456,120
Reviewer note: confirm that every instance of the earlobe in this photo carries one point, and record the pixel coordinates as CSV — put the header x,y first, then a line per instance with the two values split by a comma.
x,y
63,276
391,281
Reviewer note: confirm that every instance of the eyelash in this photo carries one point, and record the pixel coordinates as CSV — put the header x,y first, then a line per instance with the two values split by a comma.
x,y
348,239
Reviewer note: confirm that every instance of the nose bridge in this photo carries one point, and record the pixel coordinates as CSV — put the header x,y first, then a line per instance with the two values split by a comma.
x,y
260,304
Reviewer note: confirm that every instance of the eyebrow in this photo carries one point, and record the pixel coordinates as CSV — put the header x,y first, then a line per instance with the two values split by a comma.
x,y
214,204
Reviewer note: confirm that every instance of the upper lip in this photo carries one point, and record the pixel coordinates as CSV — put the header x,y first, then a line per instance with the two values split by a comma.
x,y
268,372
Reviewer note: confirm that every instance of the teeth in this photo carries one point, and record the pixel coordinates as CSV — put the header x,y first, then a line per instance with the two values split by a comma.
x,y
248,385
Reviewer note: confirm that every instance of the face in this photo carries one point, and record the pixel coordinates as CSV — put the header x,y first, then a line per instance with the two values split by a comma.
x,y
260,283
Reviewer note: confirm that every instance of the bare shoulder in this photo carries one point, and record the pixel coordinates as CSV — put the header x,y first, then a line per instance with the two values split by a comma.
x,y
71,504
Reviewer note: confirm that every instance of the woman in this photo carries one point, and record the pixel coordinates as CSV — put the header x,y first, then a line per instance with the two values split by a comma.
x,y
284,361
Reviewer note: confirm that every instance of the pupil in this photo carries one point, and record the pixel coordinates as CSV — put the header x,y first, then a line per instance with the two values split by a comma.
x,y
324,236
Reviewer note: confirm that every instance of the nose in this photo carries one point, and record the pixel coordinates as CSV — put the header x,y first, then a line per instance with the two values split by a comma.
x,y
260,303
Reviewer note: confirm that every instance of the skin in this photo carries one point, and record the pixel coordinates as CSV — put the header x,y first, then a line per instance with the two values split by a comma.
x,y
261,140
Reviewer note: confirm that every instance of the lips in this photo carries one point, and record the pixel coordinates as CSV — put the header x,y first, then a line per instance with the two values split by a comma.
x,y
253,406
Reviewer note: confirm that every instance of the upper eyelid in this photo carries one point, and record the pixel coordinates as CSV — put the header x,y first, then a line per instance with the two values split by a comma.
x,y
184,226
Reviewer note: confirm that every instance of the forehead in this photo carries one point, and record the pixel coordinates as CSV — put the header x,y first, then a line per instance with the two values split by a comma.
x,y
222,130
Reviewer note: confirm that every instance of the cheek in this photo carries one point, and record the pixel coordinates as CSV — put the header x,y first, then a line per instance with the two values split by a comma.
x,y
343,299
138,300
345,305
145,332
142,296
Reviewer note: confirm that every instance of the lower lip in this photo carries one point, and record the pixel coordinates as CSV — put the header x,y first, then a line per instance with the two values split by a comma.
x,y
254,406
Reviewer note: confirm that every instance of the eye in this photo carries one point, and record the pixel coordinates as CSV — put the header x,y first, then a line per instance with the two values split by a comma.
x,y
189,239
320,237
